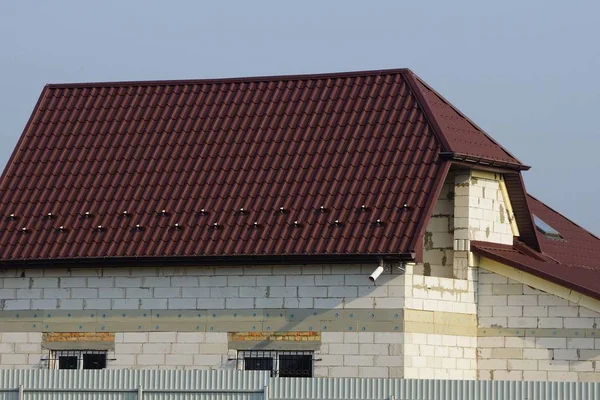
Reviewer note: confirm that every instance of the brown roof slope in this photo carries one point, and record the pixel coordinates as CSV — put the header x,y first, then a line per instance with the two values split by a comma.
x,y
573,261
202,151
577,247
583,279
462,137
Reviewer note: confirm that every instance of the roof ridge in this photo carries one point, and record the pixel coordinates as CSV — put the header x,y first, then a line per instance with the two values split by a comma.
x,y
427,111
297,77
449,104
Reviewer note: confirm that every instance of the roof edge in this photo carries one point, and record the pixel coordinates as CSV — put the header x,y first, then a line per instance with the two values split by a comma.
x,y
355,258
429,116
17,148
524,217
168,82
465,158
417,243
475,247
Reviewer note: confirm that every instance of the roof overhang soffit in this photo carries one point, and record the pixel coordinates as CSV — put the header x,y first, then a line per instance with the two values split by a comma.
x,y
521,210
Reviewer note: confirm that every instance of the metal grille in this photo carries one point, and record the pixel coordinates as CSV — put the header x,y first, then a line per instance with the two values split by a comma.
x,y
77,359
279,363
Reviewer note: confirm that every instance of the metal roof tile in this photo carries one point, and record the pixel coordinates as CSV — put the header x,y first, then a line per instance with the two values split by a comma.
x,y
339,140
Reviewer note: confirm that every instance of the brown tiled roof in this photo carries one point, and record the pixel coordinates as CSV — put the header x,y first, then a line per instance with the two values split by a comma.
x,y
572,261
577,246
280,148
459,135
583,279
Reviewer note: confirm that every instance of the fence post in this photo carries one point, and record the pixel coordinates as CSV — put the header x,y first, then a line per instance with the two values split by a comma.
x,y
21,392
140,393
266,393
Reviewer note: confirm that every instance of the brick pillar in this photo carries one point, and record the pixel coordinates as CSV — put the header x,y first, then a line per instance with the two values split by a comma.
x,y
462,237
479,214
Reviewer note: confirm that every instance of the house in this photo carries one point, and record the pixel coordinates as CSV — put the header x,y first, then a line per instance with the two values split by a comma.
x,y
349,224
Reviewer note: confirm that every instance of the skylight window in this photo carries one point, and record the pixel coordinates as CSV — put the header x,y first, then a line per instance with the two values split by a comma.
x,y
546,229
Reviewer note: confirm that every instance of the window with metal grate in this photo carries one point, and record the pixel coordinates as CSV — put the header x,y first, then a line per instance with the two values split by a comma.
x,y
280,362
77,359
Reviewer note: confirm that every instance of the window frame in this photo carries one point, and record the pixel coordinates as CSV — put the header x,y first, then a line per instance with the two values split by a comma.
x,y
545,228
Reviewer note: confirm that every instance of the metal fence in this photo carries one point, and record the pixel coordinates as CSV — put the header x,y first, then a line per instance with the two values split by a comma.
x,y
132,385
258,385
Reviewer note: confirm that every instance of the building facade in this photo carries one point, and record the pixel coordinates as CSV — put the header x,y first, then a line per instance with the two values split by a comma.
x,y
455,300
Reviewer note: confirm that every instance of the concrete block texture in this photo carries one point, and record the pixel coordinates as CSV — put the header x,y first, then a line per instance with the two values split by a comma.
x,y
390,354
439,356
560,350
188,288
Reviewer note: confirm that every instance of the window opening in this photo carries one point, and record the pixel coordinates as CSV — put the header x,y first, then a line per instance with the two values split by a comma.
x,y
295,365
258,363
78,359
94,361
67,362
280,363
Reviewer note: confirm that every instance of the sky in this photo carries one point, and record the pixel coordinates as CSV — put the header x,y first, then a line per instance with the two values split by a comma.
x,y
527,72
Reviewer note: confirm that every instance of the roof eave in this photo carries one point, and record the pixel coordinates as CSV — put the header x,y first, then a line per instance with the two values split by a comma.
x,y
247,260
482,161
475,247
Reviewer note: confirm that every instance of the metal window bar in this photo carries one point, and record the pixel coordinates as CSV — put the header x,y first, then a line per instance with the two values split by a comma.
x,y
78,359
279,362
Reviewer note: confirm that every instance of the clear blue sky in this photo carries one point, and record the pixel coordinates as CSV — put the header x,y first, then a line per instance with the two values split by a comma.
x,y
528,72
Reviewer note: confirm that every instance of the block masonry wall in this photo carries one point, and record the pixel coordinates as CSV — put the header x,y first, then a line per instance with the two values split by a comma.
x,y
440,339
171,350
480,213
150,310
438,250
382,350
288,287
528,334
20,350
470,206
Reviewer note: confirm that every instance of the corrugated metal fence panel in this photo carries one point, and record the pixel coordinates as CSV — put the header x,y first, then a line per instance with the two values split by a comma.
x,y
383,389
249,385
124,384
